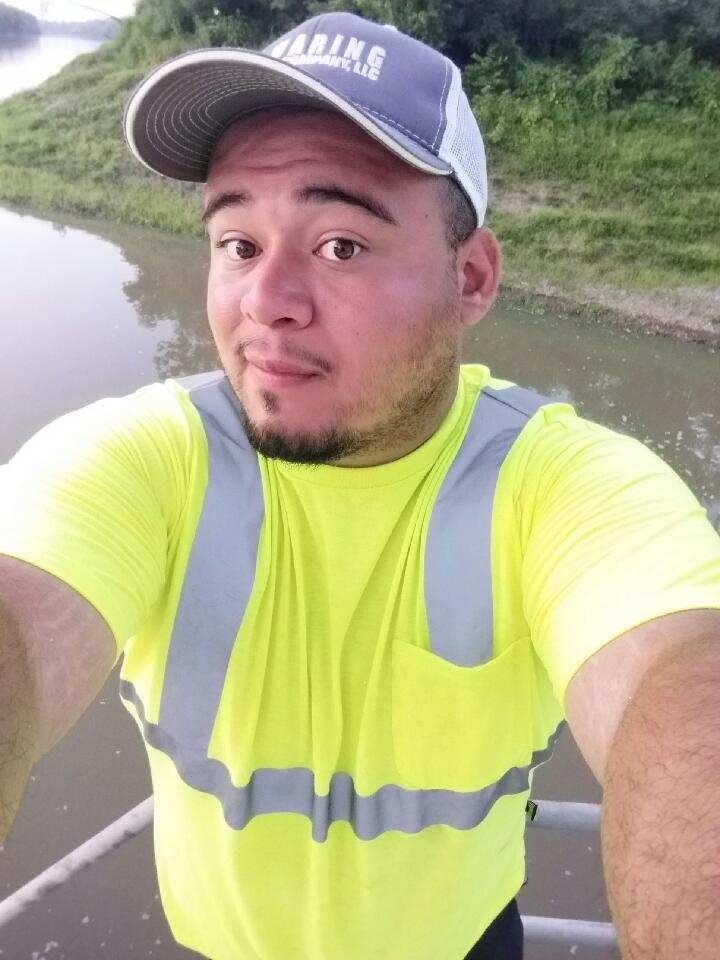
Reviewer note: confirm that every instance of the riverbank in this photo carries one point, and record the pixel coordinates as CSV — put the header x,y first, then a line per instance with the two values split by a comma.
x,y
680,310
613,211
690,315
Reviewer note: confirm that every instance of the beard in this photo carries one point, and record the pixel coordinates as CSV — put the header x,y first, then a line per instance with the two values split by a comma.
x,y
425,376
323,447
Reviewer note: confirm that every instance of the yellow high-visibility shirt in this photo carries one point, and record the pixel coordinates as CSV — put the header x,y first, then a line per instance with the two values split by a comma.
x,y
331,671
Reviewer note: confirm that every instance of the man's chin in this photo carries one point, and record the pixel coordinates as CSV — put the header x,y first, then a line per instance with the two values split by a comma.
x,y
323,447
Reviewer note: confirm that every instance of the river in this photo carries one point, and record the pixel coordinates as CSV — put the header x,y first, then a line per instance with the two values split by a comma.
x,y
91,309
26,62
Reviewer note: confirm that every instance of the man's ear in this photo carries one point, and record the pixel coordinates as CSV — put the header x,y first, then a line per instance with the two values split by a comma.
x,y
479,269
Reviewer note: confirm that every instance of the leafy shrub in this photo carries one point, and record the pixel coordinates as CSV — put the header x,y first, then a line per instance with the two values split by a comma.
x,y
613,71
609,67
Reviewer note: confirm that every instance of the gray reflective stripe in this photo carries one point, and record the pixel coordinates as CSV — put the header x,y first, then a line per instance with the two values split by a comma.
x,y
292,791
524,401
458,569
211,608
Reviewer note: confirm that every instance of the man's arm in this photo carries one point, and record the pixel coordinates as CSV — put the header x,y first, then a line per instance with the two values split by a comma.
x,y
56,652
660,825
645,711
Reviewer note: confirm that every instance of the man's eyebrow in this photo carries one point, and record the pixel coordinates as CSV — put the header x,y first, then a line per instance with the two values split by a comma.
x,y
334,193
313,193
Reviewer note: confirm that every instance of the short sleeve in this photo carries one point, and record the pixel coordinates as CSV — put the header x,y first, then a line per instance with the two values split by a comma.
x,y
612,538
92,499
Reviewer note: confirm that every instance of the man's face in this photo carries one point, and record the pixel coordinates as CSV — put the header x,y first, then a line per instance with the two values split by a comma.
x,y
332,294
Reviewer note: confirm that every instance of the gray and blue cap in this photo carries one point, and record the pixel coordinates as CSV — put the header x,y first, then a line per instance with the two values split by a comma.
x,y
402,92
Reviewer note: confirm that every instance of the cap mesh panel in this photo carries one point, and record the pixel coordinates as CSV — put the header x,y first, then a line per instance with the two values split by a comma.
x,y
467,152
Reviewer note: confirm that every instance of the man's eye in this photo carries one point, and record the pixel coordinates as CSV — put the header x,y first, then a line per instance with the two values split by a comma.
x,y
239,249
340,248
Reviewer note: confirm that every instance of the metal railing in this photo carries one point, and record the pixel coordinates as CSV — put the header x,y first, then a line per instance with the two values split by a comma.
x,y
550,814
583,817
113,836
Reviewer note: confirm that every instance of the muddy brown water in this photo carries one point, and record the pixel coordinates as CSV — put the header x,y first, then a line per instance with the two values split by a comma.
x,y
89,309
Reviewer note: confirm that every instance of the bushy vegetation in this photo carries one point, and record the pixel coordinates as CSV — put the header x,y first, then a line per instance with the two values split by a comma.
x,y
601,122
610,71
14,22
544,28
463,29
617,153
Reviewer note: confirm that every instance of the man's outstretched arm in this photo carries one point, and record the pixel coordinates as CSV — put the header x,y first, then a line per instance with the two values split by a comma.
x,y
661,811
645,712
56,652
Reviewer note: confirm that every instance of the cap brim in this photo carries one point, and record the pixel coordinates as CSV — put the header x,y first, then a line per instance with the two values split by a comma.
x,y
177,114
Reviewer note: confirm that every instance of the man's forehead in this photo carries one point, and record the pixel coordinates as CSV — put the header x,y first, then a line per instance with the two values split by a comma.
x,y
271,119
315,155
271,134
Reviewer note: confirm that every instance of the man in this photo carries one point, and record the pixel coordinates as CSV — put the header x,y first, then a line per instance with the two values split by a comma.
x,y
358,586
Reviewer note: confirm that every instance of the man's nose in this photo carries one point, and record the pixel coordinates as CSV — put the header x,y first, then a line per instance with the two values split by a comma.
x,y
277,291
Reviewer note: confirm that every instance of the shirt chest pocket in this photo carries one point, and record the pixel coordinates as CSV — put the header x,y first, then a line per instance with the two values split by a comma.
x,y
461,728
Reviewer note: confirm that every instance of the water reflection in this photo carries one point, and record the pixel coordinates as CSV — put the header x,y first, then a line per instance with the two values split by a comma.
x,y
167,291
69,334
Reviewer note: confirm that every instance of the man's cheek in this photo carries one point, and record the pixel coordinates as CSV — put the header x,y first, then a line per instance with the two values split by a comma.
x,y
223,286
223,307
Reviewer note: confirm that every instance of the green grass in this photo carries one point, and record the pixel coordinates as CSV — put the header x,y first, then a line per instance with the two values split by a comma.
x,y
635,196
62,149
133,202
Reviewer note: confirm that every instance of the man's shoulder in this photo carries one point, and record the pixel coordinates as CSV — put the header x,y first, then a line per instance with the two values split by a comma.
x,y
163,405
478,378
556,442
532,406
565,465
157,421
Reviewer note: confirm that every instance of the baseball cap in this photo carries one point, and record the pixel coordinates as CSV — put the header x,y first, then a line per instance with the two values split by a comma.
x,y
402,92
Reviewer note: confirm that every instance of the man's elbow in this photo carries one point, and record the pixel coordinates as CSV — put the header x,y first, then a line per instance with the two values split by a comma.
x,y
20,721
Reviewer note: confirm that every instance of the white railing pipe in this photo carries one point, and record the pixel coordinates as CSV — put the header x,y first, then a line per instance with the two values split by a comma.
x,y
129,825
588,933
559,815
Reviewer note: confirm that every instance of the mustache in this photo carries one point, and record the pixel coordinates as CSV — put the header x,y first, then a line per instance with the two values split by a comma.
x,y
286,352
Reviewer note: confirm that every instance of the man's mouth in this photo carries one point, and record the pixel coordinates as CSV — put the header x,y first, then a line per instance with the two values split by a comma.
x,y
280,372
